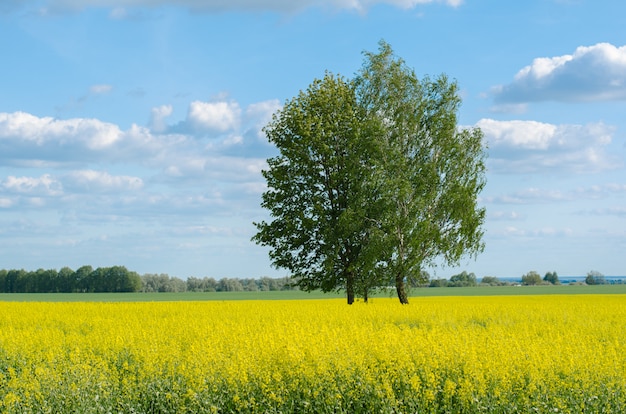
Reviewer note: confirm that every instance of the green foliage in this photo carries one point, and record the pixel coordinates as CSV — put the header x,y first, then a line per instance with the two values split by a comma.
x,y
421,280
118,279
491,281
463,279
595,278
552,277
531,278
374,180
429,172
438,282
162,283
315,195
85,279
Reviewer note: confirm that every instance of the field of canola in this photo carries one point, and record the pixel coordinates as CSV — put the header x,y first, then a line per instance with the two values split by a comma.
x,y
503,354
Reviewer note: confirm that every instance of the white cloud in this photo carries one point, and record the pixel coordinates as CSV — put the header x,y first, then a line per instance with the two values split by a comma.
x,y
21,126
120,11
214,116
93,172
44,185
211,131
518,134
591,73
261,113
158,117
534,147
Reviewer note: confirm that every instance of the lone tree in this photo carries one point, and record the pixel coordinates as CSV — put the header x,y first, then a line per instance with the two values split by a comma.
x,y
595,278
318,231
552,277
531,278
429,173
374,180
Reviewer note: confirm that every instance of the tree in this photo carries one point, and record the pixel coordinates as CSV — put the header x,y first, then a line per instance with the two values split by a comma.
x,y
81,279
155,282
439,282
490,280
229,285
531,278
463,279
15,281
374,181
422,281
65,280
595,278
429,174
552,277
318,231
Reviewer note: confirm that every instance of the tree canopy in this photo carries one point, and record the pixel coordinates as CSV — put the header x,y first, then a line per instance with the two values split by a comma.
x,y
374,180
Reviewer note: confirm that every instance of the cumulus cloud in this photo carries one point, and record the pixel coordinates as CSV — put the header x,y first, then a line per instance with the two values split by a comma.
x,y
158,117
18,192
222,126
27,128
211,130
208,163
534,147
44,185
211,6
214,116
45,142
261,113
591,73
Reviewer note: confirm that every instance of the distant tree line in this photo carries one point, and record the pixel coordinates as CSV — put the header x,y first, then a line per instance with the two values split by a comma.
x,y
165,283
531,278
120,279
551,278
84,279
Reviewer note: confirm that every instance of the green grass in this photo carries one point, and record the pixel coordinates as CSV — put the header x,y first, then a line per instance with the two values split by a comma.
x,y
161,297
299,295
522,290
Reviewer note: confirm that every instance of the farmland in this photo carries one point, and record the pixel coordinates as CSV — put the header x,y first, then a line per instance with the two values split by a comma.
x,y
301,295
529,352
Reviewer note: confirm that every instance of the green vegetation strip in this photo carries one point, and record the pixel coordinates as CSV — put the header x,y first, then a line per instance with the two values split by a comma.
x,y
299,295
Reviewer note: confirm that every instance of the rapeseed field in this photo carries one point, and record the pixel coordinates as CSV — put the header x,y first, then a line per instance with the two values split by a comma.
x,y
502,354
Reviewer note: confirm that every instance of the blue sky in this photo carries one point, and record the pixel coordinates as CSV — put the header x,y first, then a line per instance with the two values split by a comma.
x,y
130,129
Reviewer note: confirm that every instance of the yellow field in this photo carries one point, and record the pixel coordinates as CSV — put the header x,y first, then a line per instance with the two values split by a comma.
x,y
439,354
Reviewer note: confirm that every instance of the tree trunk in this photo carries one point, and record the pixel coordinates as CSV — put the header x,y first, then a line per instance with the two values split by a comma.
x,y
350,287
350,296
401,289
